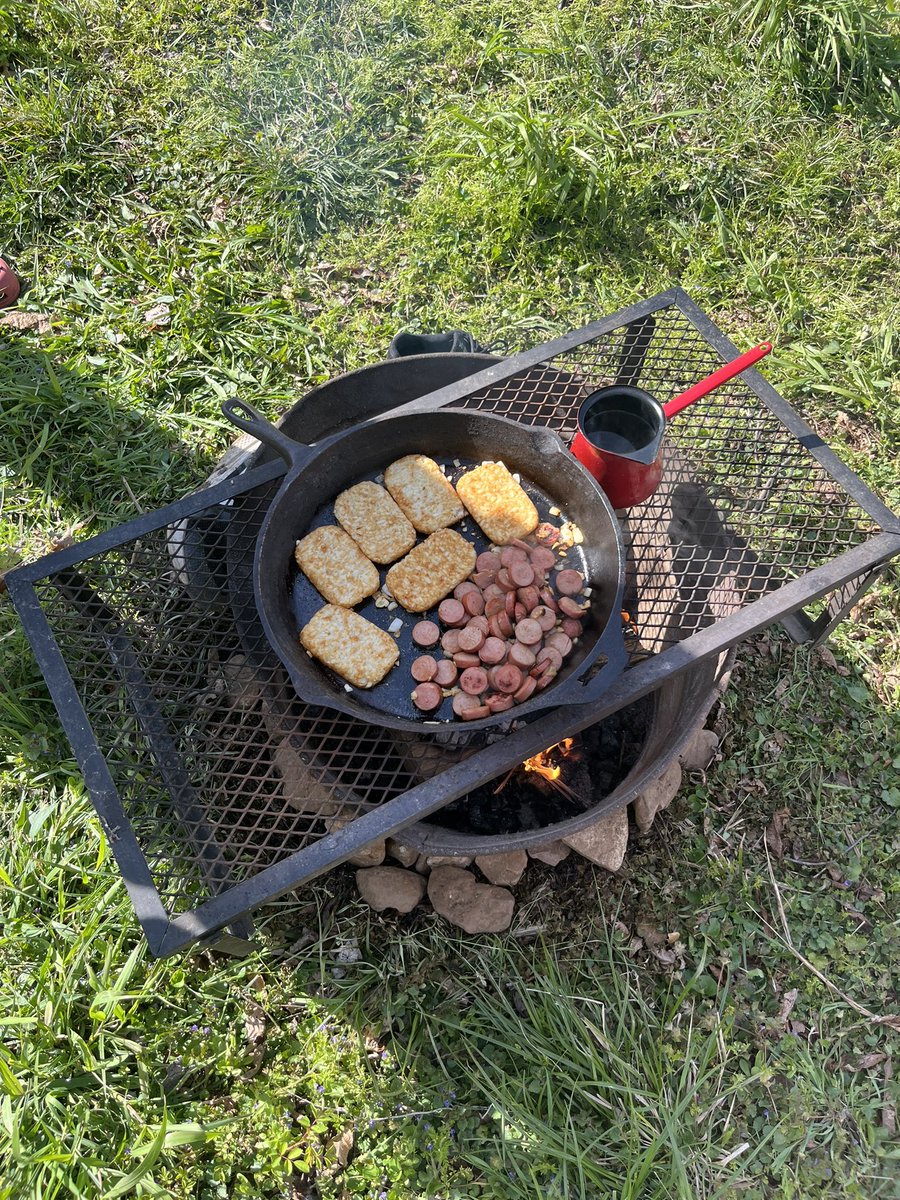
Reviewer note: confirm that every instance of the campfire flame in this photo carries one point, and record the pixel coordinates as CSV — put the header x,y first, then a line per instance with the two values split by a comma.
x,y
542,763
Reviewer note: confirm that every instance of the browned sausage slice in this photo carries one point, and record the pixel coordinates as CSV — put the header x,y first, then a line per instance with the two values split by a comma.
x,y
494,605
504,581
569,607
427,697
512,554
569,582
473,602
543,559
571,627
450,641
560,641
483,579
506,679
521,656
522,574
462,703
525,691
445,673
465,659
549,655
481,623
423,668
452,613
488,561
529,632
499,704
544,616
493,650
471,639
474,681
462,588
425,634
475,714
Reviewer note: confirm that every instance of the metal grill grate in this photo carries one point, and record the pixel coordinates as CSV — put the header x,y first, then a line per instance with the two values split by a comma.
x,y
220,790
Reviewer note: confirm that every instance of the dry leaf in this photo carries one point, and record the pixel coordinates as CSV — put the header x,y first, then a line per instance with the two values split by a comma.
x,y
788,1000
258,983
26,322
158,316
342,1147
868,1061
775,832
254,1023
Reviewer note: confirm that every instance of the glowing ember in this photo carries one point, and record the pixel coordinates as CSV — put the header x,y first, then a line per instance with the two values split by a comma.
x,y
542,763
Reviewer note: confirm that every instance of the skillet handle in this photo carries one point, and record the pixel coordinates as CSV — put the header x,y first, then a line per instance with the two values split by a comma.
x,y
246,418
578,690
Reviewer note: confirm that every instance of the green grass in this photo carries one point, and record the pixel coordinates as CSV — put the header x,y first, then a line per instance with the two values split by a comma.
x,y
285,187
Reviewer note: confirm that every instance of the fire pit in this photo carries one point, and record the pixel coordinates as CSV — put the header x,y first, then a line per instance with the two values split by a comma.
x,y
219,791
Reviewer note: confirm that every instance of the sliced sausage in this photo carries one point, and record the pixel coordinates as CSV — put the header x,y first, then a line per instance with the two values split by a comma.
x,y
512,554
520,611
473,602
493,651
569,607
445,674
474,681
521,573
475,714
560,641
510,604
496,604
450,641
427,697
549,655
463,703
452,613
529,596
462,588
471,639
521,656
529,632
499,704
488,561
423,668
542,559
506,679
549,599
425,634
501,625
569,582
544,616
546,679
492,590
522,545
525,691
540,577
572,628
480,622
483,579
465,659
504,581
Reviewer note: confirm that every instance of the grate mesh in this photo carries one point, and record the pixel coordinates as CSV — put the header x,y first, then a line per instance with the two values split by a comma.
x,y
222,771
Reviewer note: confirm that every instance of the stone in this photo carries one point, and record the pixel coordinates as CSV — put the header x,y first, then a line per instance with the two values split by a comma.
x,y
475,907
299,785
448,860
504,869
422,865
369,856
390,887
406,856
657,796
604,842
699,752
552,853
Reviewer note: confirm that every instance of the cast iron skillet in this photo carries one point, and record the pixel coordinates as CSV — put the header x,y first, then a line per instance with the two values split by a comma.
x,y
286,600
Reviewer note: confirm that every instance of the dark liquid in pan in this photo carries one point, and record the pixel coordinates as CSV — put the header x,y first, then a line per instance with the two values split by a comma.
x,y
618,431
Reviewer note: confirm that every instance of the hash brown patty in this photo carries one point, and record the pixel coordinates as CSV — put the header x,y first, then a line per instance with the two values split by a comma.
x,y
425,495
499,505
336,566
375,522
350,645
431,570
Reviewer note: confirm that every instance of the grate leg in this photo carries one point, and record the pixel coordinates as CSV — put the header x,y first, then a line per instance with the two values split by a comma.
x,y
804,629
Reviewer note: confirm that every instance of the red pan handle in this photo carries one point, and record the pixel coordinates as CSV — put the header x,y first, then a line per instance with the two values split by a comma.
x,y
711,382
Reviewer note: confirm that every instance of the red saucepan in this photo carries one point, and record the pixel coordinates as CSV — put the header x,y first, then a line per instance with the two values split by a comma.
x,y
621,430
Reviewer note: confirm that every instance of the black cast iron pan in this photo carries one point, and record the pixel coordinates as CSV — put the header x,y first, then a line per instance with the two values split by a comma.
x,y
285,598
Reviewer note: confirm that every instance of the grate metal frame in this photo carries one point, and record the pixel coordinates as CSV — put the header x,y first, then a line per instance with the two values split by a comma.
x,y
758,520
